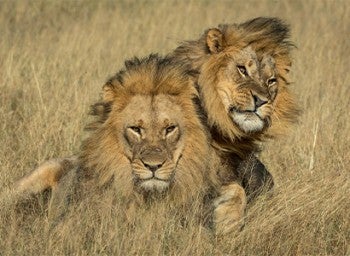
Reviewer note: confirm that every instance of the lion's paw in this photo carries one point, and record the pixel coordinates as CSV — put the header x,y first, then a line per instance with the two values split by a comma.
x,y
229,209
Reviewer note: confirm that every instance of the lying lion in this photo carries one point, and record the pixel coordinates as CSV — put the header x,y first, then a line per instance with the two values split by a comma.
x,y
148,144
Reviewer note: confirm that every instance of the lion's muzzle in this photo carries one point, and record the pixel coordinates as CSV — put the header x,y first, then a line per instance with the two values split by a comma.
x,y
153,169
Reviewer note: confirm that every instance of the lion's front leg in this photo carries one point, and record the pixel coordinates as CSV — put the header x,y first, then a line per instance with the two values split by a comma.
x,y
229,209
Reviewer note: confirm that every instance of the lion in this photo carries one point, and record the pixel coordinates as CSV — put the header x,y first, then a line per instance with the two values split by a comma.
x,y
146,122
149,143
244,89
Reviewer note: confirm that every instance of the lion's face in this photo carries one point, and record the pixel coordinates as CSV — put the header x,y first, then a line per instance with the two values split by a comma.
x,y
152,131
243,81
247,89
148,138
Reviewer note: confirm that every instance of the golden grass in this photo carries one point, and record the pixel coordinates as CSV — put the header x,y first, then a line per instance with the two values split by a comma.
x,y
54,58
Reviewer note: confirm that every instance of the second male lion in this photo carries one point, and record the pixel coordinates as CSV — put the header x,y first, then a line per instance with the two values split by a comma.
x,y
244,89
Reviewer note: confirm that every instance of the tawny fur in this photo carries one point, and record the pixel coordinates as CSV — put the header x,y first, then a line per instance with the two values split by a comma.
x,y
229,208
46,176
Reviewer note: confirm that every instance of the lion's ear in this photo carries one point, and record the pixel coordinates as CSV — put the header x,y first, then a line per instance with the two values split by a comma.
x,y
108,92
214,40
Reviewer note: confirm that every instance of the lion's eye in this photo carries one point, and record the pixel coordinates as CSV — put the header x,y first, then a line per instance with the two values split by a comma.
x,y
169,129
271,81
242,70
136,129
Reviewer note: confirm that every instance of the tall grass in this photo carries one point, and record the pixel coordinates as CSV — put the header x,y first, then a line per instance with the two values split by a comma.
x,y
54,58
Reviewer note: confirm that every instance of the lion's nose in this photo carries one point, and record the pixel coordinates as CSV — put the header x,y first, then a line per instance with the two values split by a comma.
x,y
153,167
258,102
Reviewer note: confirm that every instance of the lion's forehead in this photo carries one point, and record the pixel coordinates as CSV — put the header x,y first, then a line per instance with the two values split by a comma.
x,y
149,111
137,111
166,109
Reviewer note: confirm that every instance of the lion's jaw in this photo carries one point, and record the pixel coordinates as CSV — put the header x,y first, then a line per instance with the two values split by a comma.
x,y
247,121
249,117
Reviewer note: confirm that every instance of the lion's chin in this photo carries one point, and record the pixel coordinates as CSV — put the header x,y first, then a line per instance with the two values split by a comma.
x,y
154,185
249,122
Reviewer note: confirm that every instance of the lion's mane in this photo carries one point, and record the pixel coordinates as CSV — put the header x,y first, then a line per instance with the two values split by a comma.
x,y
103,161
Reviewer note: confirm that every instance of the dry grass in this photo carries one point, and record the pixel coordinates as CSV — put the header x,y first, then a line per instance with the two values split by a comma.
x,y
54,57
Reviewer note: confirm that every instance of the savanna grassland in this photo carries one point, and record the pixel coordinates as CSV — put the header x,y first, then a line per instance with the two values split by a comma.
x,y
56,55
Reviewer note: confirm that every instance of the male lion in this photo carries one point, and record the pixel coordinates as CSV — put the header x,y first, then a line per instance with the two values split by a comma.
x,y
244,89
149,143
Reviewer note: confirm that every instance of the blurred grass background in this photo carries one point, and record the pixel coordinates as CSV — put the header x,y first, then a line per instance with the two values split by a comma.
x,y
56,55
